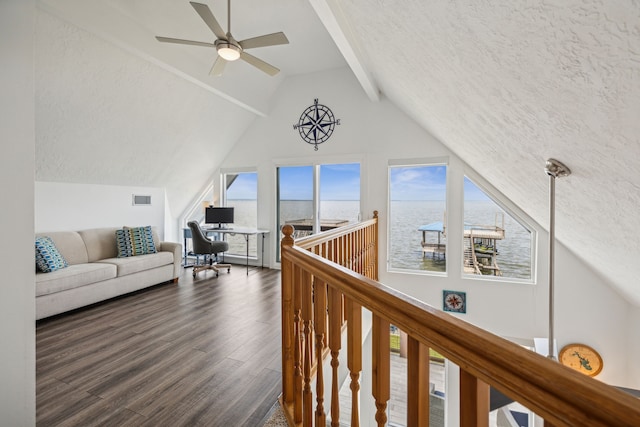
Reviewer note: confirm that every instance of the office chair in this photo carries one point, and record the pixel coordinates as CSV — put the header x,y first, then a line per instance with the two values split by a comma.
x,y
202,245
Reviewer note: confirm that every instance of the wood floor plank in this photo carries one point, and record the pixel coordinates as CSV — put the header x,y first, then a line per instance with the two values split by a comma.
x,y
204,351
182,386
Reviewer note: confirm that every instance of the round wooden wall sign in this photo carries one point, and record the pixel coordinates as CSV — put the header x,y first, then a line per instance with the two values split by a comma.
x,y
582,358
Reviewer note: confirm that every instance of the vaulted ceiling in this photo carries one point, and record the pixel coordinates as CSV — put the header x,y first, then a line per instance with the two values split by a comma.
x,y
504,85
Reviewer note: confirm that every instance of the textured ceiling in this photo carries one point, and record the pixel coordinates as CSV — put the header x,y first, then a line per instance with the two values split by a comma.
x,y
506,85
503,84
104,116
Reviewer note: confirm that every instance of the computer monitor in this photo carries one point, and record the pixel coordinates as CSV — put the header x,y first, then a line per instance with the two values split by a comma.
x,y
219,216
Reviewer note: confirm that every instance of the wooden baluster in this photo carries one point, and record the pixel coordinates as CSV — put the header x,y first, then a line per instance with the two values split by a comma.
x,y
345,251
359,250
297,321
373,272
352,252
381,367
354,356
288,337
354,237
375,249
367,252
417,383
372,252
307,396
358,253
474,401
312,341
334,250
335,338
320,315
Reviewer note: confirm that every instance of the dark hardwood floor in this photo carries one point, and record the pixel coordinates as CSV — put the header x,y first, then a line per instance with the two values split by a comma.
x,y
202,352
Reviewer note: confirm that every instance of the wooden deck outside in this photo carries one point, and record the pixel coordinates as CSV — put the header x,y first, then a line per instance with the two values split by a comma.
x,y
304,227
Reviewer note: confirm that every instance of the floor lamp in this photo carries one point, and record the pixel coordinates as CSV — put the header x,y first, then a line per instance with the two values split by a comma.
x,y
555,169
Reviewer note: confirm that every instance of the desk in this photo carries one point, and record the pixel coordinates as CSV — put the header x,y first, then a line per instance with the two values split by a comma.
x,y
246,232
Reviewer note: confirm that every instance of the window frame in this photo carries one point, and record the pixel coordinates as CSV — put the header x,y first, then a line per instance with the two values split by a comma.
x,y
416,163
222,201
510,209
315,165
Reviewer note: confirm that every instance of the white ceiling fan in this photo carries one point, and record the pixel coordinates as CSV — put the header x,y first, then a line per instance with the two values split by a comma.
x,y
228,48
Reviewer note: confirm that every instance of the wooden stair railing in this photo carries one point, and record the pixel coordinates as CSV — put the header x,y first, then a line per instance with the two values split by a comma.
x,y
321,296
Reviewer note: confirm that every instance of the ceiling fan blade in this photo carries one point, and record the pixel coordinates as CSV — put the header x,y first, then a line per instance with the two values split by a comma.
x,y
180,41
206,15
259,63
218,66
264,41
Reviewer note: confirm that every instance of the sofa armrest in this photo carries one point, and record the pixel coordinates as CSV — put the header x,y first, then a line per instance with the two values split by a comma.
x,y
176,249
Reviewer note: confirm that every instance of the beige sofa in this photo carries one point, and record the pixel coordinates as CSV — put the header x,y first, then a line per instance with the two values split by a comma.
x,y
95,273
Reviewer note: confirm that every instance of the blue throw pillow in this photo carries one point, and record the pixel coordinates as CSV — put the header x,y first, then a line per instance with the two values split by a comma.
x,y
48,258
135,241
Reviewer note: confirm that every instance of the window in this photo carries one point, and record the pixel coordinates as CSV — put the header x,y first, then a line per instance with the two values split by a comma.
x,y
331,190
295,198
417,222
241,193
339,194
495,243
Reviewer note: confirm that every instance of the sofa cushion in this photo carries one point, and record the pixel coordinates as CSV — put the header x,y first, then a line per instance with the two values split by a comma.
x,y
100,243
73,276
130,265
135,241
48,258
69,244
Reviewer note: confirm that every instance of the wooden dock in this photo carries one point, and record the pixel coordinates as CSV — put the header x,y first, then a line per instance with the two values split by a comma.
x,y
304,227
480,248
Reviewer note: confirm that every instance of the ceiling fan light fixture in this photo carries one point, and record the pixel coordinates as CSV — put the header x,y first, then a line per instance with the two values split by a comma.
x,y
228,51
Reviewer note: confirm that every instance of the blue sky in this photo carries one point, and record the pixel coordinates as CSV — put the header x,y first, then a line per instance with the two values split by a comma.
x,y
337,182
472,192
340,182
419,183
427,183
245,187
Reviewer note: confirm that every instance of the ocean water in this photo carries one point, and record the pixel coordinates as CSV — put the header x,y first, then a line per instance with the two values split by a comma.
x,y
245,214
514,256
514,250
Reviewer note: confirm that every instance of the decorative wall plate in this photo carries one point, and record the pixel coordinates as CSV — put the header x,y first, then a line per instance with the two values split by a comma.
x,y
316,124
454,301
582,358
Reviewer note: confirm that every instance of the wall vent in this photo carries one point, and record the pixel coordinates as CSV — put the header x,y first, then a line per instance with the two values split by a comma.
x,y
139,200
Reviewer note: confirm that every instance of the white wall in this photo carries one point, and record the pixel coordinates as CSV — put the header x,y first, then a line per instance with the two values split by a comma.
x,y
375,133
633,338
64,206
17,291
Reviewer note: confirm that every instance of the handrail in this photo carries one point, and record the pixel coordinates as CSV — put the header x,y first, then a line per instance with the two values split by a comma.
x,y
312,240
558,394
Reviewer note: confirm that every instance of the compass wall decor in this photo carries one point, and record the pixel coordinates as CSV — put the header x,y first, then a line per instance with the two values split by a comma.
x,y
316,124
454,301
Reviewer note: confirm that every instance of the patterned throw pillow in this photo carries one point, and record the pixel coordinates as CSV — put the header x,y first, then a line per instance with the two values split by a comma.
x,y
48,258
135,241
